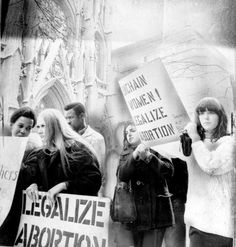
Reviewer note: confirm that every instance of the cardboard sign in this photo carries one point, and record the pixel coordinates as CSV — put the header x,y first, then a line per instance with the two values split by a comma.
x,y
74,220
11,153
155,107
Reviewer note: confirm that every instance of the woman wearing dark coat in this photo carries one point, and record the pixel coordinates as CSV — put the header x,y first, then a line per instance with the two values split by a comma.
x,y
147,171
44,167
21,122
66,163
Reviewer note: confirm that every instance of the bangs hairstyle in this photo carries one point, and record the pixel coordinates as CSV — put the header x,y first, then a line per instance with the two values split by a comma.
x,y
59,136
212,104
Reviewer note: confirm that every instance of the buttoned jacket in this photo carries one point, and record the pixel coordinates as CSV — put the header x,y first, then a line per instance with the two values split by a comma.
x,y
148,183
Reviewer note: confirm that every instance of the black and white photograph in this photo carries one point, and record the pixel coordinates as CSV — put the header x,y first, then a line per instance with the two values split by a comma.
x,y
117,123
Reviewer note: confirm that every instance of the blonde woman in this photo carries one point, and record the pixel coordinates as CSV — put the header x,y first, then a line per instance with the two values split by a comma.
x,y
66,162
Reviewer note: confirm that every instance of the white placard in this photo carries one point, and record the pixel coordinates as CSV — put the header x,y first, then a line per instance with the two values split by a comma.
x,y
74,220
154,104
11,153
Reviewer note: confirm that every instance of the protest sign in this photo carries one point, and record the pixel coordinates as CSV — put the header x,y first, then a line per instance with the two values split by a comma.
x,y
74,220
154,104
11,153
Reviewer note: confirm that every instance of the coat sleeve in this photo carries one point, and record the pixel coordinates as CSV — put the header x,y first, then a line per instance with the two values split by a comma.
x,y
85,176
161,165
126,167
158,163
216,162
30,172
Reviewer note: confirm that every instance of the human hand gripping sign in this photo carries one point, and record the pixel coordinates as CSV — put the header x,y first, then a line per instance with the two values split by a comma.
x,y
51,194
32,192
142,152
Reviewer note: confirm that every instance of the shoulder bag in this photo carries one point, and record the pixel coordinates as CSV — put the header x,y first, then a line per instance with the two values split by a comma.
x,y
123,208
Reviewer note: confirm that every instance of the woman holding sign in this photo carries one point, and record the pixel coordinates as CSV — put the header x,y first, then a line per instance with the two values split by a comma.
x,y
22,121
210,166
147,172
66,163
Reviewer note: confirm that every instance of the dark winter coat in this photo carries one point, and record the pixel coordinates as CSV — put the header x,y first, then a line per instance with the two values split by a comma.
x,y
45,169
178,184
9,227
148,183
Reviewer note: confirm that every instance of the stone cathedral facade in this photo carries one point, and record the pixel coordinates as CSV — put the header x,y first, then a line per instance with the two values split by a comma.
x,y
55,52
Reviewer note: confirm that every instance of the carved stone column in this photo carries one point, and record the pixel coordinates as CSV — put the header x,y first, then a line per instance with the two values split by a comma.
x,y
11,56
78,57
91,93
28,50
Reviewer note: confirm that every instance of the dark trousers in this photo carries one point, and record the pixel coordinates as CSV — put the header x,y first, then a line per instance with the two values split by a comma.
x,y
175,236
152,238
203,239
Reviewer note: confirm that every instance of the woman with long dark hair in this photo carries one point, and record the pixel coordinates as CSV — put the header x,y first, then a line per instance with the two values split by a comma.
x,y
210,167
147,172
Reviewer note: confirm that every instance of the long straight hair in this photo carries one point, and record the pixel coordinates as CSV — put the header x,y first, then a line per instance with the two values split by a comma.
x,y
212,104
126,144
59,135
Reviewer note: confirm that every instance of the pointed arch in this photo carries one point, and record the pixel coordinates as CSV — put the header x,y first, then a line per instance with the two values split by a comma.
x,y
53,94
68,7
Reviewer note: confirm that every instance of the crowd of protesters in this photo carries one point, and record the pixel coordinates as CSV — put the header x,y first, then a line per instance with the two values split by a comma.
x,y
65,155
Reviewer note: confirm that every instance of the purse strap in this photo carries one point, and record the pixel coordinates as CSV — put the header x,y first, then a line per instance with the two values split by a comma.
x,y
120,183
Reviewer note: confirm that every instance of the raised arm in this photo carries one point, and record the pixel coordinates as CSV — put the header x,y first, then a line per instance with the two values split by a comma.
x,y
216,162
